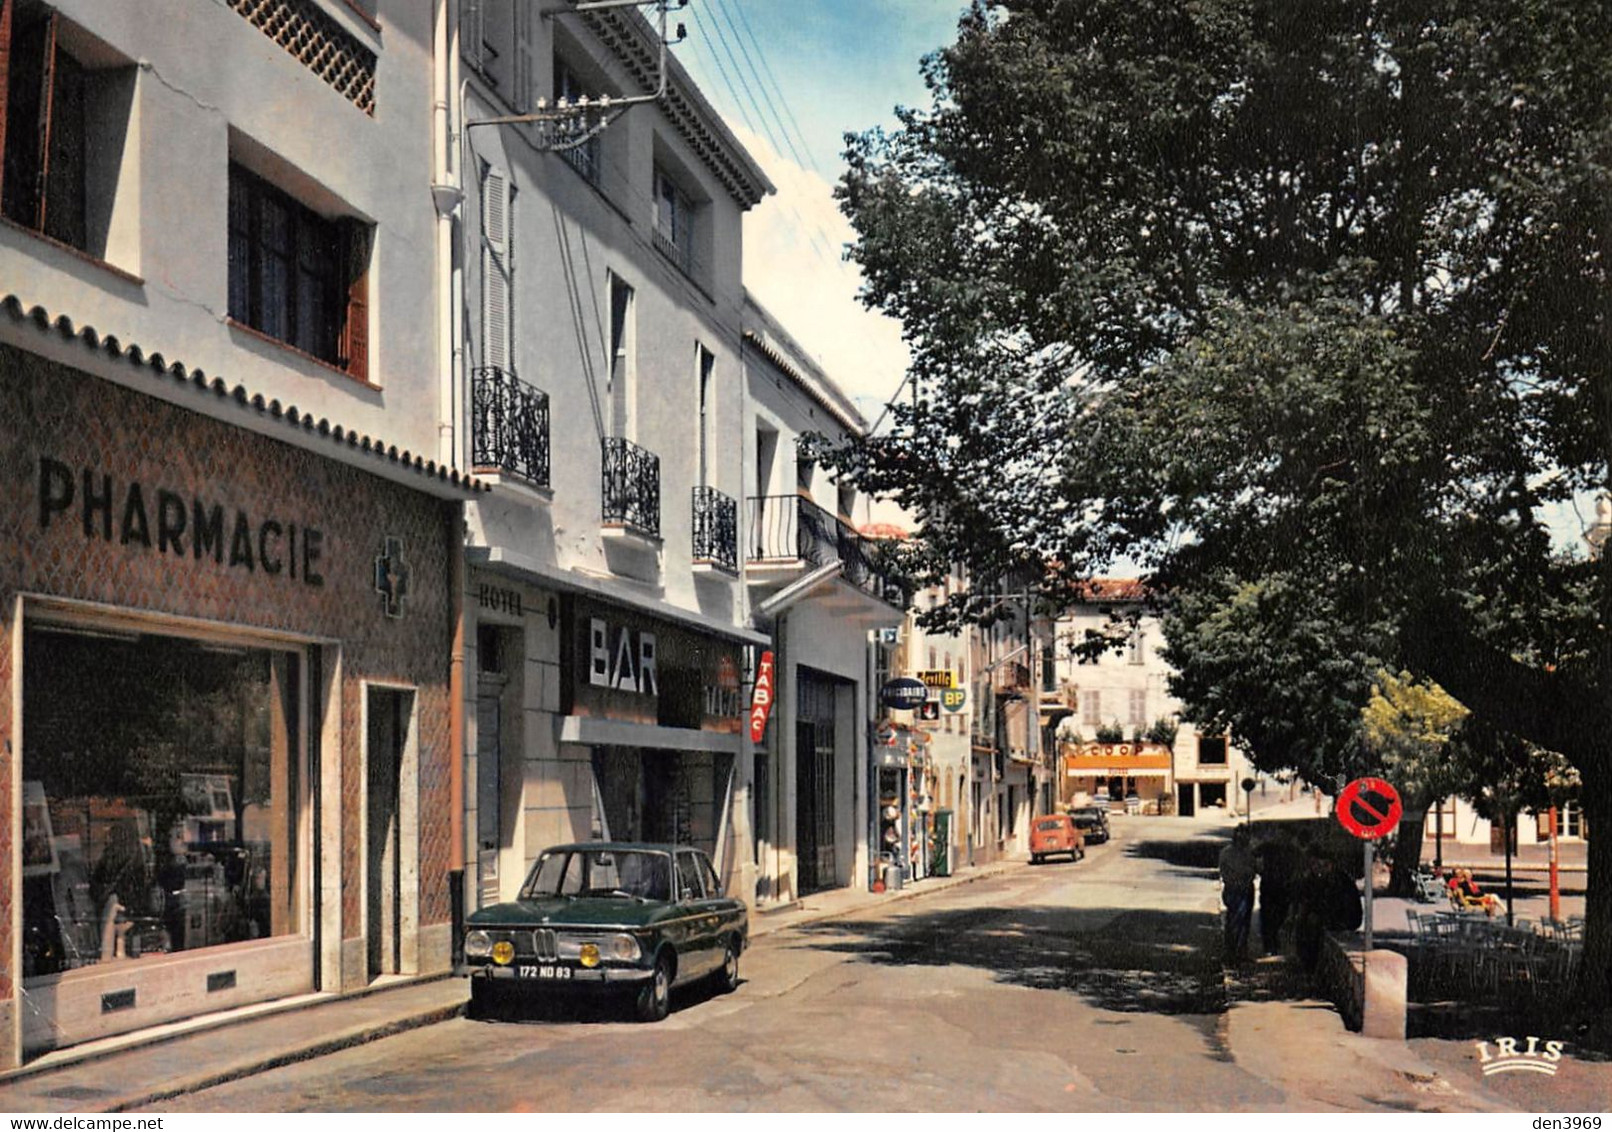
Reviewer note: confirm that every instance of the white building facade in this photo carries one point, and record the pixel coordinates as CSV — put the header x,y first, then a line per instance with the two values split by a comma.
x,y
1119,699
816,589
597,382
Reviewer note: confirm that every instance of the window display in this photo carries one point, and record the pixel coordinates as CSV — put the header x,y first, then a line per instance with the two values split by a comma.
x,y
160,785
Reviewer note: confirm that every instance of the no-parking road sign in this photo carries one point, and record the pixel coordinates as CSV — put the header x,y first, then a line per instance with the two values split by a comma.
x,y
1369,808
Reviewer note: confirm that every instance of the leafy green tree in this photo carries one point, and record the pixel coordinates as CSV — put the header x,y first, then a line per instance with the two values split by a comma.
x,y
1302,307
1411,729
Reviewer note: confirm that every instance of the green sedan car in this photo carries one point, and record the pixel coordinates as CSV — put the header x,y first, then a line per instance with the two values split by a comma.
x,y
607,917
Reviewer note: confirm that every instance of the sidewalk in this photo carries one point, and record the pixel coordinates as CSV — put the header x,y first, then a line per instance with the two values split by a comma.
x,y
148,1067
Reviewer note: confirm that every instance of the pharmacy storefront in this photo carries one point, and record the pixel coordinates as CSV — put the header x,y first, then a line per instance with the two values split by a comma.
x,y
223,714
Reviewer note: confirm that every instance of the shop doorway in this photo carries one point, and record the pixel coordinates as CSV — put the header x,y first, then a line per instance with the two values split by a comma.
x,y
1186,799
489,775
670,797
389,711
815,756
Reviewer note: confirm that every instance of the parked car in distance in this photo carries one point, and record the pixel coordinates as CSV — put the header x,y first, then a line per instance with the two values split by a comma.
x,y
1051,834
1092,821
607,918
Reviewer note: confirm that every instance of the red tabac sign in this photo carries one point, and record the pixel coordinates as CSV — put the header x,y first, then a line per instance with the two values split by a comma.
x,y
761,699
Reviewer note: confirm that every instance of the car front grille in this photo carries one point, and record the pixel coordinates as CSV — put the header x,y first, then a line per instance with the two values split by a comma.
x,y
536,944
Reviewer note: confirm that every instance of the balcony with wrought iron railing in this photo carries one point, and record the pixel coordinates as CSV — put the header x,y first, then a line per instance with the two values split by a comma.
x,y
509,425
790,529
630,490
716,530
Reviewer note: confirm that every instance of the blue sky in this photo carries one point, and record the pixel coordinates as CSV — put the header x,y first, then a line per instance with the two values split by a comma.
x,y
842,65
791,79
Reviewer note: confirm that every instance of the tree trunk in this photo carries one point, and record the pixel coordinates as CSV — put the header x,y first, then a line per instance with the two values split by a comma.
x,y
1407,854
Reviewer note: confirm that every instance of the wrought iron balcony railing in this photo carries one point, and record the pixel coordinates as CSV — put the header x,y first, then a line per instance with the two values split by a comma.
x,y
631,486
716,529
509,424
793,528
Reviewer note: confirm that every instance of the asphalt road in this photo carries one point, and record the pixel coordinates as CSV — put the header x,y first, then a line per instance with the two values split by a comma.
x,y
1094,985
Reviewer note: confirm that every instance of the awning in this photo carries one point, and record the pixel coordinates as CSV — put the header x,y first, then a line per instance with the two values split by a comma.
x,y
616,733
1115,773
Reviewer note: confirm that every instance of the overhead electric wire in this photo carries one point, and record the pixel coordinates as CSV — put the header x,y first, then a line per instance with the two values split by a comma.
x,y
750,58
821,243
779,90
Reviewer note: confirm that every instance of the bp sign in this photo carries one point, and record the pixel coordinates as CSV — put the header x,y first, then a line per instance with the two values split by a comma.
x,y
904,693
953,699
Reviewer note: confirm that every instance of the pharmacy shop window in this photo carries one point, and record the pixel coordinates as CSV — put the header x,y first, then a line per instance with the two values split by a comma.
x,y
161,780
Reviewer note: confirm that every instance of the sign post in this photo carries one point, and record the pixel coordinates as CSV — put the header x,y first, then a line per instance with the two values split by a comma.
x,y
1369,808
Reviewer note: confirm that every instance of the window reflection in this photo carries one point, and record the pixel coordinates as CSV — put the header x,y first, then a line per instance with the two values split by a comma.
x,y
160,778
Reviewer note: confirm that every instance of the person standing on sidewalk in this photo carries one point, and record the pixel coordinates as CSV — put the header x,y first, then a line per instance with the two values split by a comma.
x,y
1237,872
1278,875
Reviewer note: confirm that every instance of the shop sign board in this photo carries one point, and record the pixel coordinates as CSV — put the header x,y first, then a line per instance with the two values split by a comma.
x,y
761,699
904,693
626,666
938,678
953,699
621,657
170,522
929,711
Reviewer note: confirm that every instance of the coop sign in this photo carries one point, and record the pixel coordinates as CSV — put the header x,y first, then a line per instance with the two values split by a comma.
x,y
621,658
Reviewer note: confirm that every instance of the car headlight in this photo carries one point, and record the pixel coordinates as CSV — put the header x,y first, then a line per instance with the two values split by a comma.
x,y
478,945
590,951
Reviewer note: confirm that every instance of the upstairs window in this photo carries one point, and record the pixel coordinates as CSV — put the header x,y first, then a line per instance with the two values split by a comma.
x,y
296,276
1211,750
64,109
577,145
674,222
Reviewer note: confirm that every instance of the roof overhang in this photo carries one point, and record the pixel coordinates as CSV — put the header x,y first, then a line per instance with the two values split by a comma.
x,y
59,339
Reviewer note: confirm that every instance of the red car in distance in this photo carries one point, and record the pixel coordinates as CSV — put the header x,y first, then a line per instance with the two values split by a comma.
x,y
1055,833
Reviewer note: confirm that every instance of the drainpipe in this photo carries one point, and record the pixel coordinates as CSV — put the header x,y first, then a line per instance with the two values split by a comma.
x,y
456,722
446,195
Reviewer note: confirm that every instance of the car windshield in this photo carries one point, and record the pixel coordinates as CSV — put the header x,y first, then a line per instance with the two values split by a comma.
x,y
620,873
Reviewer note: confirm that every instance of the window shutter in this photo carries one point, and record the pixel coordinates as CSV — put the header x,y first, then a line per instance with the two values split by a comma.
x,y
525,58
5,82
47,93
355,325
496,280
472,25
